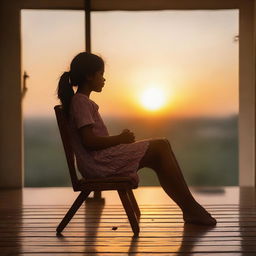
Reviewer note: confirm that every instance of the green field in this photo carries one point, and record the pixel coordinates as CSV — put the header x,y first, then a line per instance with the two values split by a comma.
x,y
206,148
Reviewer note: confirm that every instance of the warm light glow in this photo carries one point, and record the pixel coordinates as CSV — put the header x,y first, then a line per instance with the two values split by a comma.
x,y
153,99
188,75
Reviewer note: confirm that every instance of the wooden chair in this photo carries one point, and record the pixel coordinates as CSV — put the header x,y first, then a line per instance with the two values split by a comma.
x,y
122,184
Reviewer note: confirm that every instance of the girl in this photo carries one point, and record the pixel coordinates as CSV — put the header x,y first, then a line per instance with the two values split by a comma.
x,y
100,155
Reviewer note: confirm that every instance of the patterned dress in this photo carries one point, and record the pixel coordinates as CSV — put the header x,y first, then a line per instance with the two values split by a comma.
x,y
119,160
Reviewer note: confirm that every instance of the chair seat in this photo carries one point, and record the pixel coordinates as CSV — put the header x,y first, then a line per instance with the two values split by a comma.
x,y
108,183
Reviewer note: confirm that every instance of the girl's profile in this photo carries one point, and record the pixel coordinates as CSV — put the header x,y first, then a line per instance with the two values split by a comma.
x,y
100,155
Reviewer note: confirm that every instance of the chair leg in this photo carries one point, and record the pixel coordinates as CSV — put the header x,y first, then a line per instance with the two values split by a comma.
x,y
73,209
129,211
134,203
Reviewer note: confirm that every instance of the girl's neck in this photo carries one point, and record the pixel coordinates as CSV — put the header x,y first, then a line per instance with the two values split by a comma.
x,y
84,90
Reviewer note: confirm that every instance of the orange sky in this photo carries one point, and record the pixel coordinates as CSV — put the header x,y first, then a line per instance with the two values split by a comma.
x,y
190,55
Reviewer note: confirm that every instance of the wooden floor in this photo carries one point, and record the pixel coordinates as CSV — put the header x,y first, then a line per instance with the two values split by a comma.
x,y
28,219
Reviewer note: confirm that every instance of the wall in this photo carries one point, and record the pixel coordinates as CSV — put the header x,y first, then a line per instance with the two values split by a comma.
x,y
11,163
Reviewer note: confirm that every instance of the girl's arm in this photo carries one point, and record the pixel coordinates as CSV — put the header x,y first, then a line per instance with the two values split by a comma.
x,y
94,142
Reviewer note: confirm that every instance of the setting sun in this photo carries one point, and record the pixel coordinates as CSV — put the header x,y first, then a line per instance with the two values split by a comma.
x,y
153,99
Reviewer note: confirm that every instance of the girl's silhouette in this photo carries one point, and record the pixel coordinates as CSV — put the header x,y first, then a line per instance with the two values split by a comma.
x,y
100,155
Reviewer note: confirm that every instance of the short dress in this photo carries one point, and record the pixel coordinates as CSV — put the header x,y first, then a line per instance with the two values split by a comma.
x,y
120,160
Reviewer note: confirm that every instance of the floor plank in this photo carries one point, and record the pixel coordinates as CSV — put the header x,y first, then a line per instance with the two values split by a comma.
x,y
27,227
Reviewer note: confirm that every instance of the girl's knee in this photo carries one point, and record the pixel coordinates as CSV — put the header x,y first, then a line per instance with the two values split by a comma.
x,y
158,149
160,146
162,143
168,143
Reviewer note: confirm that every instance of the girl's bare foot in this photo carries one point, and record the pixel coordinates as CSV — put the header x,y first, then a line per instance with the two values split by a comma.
x,y
199,216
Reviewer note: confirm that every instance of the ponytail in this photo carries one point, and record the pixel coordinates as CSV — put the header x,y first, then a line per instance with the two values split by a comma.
x,y
65,91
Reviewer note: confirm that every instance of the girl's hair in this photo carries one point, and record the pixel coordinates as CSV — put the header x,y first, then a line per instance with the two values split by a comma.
x,y
82,66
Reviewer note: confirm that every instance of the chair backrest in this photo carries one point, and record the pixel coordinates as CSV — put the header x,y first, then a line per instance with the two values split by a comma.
x,y
65,134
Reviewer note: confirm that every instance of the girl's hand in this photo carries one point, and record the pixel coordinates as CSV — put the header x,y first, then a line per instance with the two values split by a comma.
x,y
126,137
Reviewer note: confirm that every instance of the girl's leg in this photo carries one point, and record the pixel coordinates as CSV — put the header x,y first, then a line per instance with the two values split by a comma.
x,y
161,158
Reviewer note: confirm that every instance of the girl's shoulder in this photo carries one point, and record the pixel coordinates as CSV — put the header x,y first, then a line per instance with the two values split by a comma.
x,y
84,99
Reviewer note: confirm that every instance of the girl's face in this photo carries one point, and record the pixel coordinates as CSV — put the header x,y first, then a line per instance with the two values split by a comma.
x,y
97,81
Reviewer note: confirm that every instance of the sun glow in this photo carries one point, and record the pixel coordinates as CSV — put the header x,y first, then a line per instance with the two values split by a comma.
x,y
153,99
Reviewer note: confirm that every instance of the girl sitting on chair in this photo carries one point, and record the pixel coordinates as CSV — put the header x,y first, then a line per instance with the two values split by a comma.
x,y
100,155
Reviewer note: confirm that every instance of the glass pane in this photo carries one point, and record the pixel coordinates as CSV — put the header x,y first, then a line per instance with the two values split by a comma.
x,y
190,56
50,39
189,59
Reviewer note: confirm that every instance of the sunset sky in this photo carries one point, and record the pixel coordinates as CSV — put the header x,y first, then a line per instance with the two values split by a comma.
x,y
189,56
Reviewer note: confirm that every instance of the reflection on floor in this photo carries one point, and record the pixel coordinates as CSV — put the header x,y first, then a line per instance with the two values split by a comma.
x,y
28,219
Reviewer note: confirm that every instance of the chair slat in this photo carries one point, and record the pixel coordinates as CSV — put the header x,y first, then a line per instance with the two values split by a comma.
x,y
65,137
